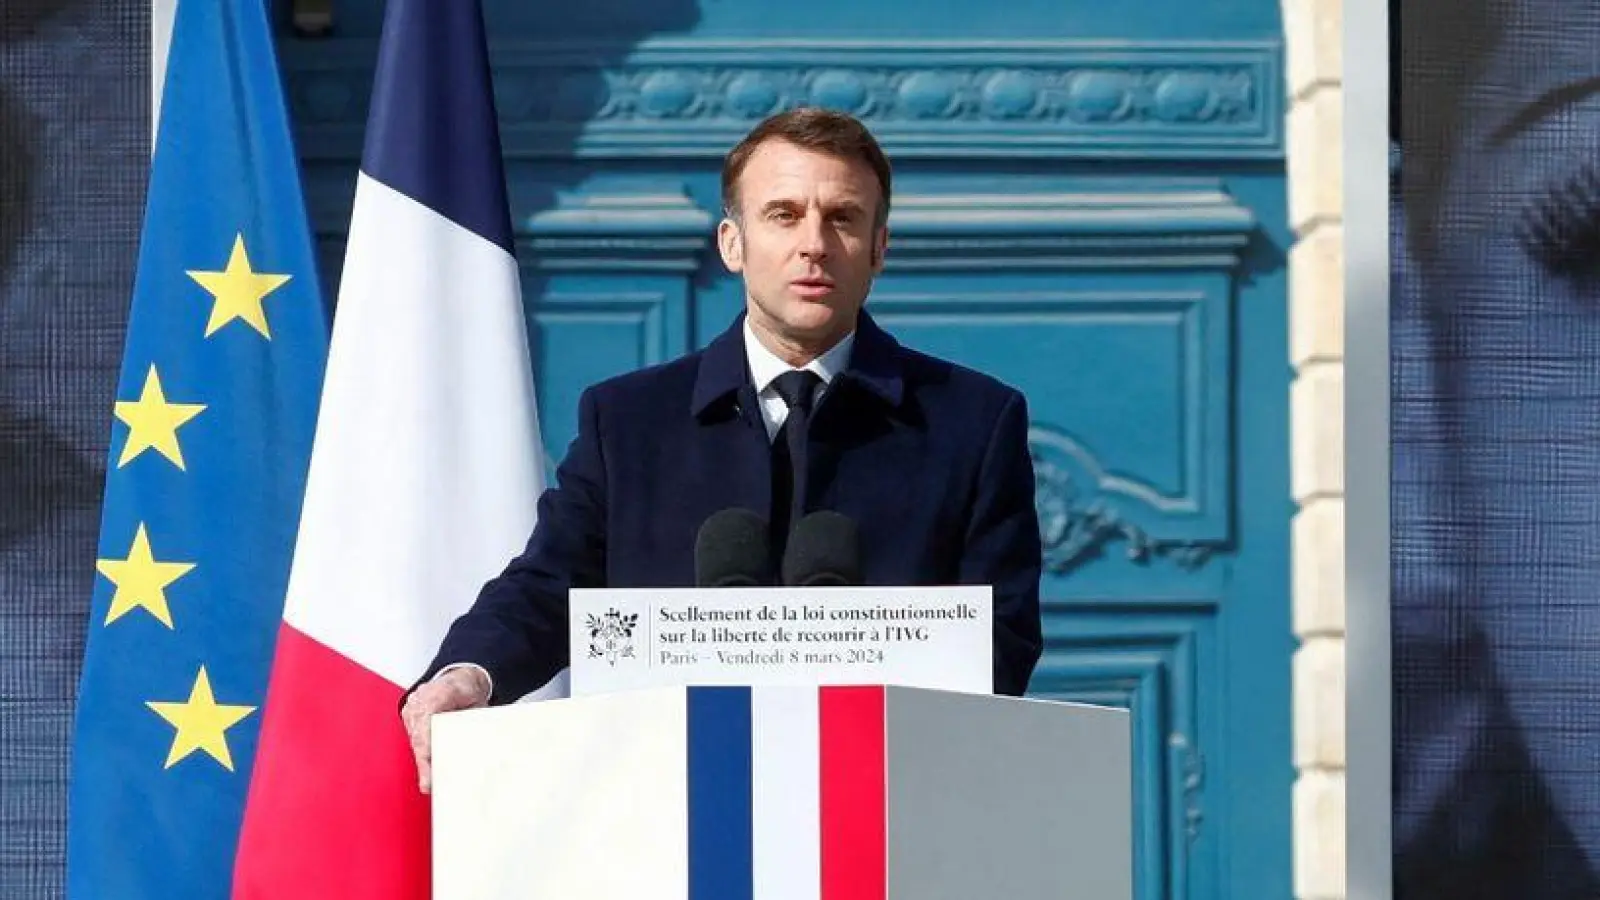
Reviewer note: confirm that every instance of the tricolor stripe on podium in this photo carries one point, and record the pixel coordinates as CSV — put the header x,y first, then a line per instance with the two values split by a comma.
x,y
786,793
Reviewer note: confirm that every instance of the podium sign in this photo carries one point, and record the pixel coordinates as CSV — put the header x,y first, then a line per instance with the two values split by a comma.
x,y
627,639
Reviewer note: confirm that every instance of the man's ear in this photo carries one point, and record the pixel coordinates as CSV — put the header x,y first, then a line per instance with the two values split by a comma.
x,y
730,245
880,249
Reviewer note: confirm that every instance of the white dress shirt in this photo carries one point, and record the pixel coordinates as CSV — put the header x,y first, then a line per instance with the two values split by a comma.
x,y
765,367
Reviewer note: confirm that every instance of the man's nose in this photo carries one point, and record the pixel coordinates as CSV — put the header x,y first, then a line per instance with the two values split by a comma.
x,y
813,237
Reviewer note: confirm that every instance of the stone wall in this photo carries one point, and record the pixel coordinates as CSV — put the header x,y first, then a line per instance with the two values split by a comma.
x,y
1316,296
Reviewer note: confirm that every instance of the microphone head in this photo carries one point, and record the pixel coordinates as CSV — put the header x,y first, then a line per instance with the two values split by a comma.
x,y
733,549
824,551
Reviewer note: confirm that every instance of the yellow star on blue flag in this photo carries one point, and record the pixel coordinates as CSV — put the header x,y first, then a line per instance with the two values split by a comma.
x,y
239,291
200,723
212,426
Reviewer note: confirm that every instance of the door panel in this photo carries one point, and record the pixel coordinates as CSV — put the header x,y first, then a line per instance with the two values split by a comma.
x,y
590,333
1122,338
1089,204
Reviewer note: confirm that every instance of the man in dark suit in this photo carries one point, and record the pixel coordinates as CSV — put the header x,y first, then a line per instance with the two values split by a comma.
x,y
929,459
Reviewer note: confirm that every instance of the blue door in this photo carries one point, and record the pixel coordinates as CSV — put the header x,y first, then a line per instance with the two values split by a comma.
x,y
1089,204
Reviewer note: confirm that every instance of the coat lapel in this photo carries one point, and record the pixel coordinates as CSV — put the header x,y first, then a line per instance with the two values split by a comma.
x,y
724,406
858,409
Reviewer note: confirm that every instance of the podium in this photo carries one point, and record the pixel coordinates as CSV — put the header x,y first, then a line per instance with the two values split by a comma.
x,y
832,792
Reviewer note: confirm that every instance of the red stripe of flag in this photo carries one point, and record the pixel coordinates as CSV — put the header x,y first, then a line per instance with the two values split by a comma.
x,y
334,812
852,789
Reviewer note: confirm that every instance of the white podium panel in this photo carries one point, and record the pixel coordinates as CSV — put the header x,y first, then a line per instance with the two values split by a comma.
x,y
784,793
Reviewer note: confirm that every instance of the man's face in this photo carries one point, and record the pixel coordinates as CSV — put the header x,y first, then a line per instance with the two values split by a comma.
x,y
807,243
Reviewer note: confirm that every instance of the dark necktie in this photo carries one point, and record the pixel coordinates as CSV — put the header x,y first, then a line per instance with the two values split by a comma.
x,y
798,390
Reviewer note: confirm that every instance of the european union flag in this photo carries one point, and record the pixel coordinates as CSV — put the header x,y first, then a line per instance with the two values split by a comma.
x,y
211,432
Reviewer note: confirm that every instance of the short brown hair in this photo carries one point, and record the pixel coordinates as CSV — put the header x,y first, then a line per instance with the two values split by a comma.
x,y
809,128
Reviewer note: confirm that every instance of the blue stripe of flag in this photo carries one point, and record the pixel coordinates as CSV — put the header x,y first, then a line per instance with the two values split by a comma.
x,y
432,134
721,858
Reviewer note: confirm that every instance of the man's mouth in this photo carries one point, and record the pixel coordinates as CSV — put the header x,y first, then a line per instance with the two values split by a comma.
x,y
812,287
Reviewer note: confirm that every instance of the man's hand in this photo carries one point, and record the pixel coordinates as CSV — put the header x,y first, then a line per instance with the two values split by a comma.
x,y
463,688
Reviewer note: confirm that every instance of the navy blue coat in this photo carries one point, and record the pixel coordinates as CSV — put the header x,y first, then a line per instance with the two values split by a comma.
x,y
930,459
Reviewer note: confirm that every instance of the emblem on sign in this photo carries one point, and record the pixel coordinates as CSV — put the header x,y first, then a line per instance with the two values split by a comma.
x,y
611,635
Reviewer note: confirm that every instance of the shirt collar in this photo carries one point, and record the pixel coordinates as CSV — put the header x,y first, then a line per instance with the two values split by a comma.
x,y
765,366
876,362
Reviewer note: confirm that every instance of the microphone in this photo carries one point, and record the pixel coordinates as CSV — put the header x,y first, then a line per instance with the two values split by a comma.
x,y
824,551
732,549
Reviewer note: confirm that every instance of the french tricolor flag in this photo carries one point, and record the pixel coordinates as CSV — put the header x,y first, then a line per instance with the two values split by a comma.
x,y
423,478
